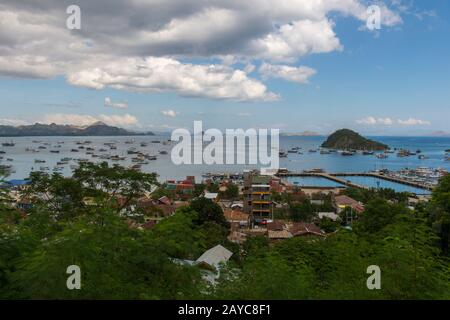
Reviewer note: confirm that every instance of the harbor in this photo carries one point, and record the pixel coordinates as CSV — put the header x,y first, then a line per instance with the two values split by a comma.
x,y
22,155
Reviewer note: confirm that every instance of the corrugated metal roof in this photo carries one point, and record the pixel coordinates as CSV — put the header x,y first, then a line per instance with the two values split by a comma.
x,y
215,256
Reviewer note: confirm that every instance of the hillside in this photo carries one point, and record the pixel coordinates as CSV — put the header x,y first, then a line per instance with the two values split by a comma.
x,y
346,139
38,129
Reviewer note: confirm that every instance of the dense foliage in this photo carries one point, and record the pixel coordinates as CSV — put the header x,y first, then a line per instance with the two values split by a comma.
x,y
119,261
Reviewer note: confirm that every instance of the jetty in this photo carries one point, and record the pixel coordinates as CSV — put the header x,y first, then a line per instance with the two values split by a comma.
x,y
336,177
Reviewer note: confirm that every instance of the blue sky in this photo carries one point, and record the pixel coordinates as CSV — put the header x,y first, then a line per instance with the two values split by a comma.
x,y
394,81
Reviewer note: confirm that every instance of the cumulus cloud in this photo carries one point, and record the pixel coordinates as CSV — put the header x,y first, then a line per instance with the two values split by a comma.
x,y
169,113
294,74
389,121
13,122
35,43
116,105
165,74
367,120
414,122
126,120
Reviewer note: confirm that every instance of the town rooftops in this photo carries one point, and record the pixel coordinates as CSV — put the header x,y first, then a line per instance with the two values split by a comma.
x,y
235,215
344,201
278,234
302,228
275,225
261,179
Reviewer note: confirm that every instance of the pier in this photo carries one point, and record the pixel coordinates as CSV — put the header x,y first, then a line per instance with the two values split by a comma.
x,y
336,178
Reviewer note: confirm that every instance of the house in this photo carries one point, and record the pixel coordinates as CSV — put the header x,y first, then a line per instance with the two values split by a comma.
x,y
164,200
278,234
236,216
304,229
215,256
343,201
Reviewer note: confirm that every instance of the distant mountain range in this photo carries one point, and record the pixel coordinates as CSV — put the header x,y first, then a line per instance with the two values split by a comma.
x,y
440,134
347,139
38,129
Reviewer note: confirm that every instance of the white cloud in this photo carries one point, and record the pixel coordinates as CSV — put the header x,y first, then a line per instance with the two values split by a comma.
x,y
385,121
389,121
294,74
166,74
126,120
106,51
367,121
116,105
373,121
414,122
13,122
169,113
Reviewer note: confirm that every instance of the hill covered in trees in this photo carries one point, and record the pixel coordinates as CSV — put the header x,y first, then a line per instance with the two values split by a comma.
x,y
346,139
38,129
119,261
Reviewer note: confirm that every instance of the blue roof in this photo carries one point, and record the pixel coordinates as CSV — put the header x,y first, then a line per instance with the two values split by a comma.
x,y
17,182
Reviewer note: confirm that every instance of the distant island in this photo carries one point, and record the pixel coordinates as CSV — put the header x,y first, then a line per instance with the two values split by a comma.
x,y
347,139
38,129
301,134
440,134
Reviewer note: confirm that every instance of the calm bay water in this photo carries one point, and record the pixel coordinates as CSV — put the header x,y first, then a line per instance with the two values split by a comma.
x,y
24,161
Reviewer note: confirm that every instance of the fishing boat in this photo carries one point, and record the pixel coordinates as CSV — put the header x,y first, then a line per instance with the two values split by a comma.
x,y
74,150
8,144
382,156
156,141
403,153
54,151
39,161
282,154
347,153
163,152
2,152
132,151
423,157
118,158
367,153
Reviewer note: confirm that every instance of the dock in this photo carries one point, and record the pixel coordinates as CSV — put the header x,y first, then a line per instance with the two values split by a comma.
x,y
336,178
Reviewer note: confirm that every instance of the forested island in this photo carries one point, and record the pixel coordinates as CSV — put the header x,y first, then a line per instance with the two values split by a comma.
x,y
346,139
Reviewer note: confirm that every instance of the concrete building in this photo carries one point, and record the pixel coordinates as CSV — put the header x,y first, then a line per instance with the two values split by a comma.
x,y
257,199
